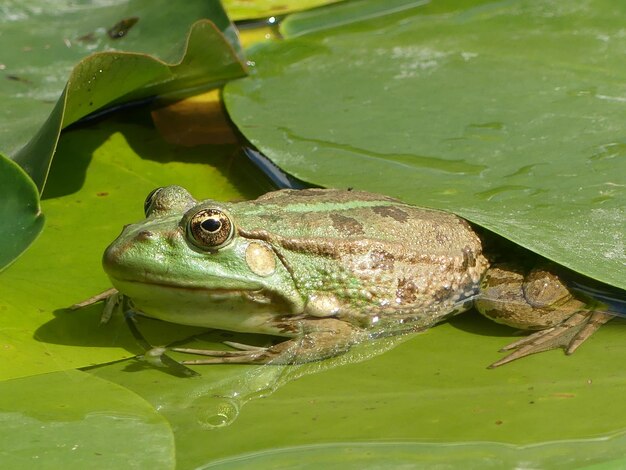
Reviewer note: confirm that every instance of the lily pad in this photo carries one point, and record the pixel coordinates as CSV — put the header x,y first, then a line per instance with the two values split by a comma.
x,y
170,54
488,455
55,44
21,201
80,421
509,114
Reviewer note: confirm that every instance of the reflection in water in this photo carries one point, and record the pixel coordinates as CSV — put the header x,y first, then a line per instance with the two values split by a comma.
x,y
214,398
217,403
216,411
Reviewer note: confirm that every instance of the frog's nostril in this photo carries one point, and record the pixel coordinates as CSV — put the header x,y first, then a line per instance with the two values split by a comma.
x,y
144,235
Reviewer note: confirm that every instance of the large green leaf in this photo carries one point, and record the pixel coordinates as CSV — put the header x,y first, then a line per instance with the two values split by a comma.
x,y
74,420
49,40
507,113
57,43
20,208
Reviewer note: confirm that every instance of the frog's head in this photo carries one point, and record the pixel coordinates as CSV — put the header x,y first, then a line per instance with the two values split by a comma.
x,y
187,256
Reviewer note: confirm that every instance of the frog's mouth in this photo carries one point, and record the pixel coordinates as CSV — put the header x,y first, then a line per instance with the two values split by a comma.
x,y
141,291
190,289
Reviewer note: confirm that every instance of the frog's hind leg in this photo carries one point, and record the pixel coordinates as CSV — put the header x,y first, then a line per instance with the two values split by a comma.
x,y
537,300
314,340
568,335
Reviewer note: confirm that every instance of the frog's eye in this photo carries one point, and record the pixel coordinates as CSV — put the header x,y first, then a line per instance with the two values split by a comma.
x,y
147,205
210,229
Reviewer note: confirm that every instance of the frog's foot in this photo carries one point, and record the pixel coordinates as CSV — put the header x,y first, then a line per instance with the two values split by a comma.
x,y
102,296
112,301
568,335
320,339
243,354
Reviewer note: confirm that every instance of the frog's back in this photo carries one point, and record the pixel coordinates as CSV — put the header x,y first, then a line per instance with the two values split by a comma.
x,y
368,252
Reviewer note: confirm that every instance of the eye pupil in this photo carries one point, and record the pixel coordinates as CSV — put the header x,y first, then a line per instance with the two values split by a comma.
x,y
210,228
211,225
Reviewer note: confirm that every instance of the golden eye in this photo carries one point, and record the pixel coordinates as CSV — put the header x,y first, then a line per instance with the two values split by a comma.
x,y
210,228
147,205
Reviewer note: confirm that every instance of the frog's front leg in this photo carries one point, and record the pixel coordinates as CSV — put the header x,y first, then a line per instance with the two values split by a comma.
x,y
314,339
538,300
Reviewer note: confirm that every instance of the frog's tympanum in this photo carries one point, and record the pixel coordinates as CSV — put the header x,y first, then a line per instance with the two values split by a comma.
x,y
321,267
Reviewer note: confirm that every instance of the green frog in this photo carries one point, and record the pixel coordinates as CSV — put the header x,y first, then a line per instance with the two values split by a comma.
x,y
326,269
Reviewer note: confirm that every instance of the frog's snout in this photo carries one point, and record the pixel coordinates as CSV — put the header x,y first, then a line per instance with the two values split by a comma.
x,y
130,244
119,254
111,258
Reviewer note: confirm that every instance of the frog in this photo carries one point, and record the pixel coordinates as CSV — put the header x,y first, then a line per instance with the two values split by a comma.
x,y
325,269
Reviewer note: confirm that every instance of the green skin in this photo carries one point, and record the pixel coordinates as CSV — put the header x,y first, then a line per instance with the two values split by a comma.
x,y
326,268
